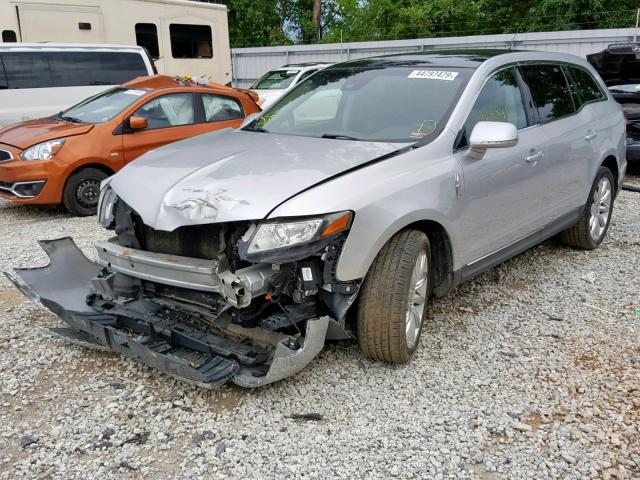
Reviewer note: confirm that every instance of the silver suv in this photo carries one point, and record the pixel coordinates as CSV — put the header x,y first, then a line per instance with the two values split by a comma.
x,y
338,212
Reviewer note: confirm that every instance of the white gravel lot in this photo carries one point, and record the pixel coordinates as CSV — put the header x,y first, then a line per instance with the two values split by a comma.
x,y
530,371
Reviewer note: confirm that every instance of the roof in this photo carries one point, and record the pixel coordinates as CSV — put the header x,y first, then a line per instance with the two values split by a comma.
x,y
67,46
159,82
441,58
190,3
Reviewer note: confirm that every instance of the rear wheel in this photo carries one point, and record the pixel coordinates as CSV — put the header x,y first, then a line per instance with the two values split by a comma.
x,y
82,191
393,298
594,220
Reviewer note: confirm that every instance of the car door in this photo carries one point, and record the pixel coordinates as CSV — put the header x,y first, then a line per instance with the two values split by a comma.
x,y
221,111
498,192
591,100
568,151
170,117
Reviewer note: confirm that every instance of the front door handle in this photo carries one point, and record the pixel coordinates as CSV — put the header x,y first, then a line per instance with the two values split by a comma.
x,y
590,136
534,157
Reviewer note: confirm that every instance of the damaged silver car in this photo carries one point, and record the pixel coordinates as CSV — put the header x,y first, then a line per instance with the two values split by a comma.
x,y
337,213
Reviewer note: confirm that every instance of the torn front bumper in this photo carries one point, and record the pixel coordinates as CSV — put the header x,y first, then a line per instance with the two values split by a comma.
x,y
157,335
237,288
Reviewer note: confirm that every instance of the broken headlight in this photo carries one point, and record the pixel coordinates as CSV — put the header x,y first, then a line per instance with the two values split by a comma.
x,y
106,207
290,239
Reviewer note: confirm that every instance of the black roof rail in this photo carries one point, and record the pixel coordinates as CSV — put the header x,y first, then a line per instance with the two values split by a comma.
x,y
305,64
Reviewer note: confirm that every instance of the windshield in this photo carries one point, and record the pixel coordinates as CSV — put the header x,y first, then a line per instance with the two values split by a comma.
x,y
102,107
391,104
275,80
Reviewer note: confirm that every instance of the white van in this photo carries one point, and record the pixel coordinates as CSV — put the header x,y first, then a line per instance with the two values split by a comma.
x,y
41,79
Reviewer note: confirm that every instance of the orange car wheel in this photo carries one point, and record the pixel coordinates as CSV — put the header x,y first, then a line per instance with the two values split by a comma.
x,y
82,191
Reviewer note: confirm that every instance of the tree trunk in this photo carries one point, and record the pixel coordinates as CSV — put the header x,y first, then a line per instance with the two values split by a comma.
x,y
316,17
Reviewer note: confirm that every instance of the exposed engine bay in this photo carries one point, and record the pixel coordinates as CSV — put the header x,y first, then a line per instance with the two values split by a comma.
x,y
197,302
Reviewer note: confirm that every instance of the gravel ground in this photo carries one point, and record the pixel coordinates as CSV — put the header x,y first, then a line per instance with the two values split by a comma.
x,y
530,371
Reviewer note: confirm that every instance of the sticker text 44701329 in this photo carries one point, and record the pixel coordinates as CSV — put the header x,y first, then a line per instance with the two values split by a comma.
x,y
434,75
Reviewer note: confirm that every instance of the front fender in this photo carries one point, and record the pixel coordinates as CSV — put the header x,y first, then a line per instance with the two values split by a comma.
x,y
371,230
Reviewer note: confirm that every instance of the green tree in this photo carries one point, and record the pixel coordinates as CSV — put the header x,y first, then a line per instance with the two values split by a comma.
x,y
274,22
257,23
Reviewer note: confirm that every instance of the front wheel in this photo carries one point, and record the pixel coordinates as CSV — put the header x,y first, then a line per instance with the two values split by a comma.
x,y
594,220
393,298
82,191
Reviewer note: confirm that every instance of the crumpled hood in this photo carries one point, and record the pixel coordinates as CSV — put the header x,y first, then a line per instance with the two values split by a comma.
x,y
25,134
233,175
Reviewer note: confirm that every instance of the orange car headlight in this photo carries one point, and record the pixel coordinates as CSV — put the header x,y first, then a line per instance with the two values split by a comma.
x,y
43,151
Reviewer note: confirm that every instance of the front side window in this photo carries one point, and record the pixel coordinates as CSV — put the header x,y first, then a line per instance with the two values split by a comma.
x,y
171,110
147,37
26,70
500,100
585,85
549,90
190,41
72,69
9,36
104,106
218,108
275,80
389,103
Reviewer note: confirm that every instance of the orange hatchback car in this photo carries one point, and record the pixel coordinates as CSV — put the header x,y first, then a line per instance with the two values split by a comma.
x,y
63,158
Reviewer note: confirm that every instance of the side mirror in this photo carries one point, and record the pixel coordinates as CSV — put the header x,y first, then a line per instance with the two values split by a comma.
x,y
487,135
248,119
138,123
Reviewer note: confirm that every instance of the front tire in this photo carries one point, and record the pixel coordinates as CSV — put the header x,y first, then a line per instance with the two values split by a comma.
x,y
594,220
82,191
393,298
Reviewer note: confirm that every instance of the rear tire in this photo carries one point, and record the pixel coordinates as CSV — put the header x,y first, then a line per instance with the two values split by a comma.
x,y
393,298
82,191
594,220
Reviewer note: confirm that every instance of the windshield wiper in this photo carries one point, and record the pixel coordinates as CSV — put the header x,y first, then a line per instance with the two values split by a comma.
x,y
256,129
69,119
338,136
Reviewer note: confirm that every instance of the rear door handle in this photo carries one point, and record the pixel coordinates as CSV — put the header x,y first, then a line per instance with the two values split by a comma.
x,y
590,136
534,157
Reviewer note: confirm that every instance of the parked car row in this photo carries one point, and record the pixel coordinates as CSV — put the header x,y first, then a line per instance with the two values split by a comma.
x,y
338,212
64,157
40,79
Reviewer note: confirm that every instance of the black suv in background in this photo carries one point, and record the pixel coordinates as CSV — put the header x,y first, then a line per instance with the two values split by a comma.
x,y
619,67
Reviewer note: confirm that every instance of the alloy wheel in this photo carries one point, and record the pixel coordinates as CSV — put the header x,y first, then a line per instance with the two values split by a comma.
x,y
417,299
600,209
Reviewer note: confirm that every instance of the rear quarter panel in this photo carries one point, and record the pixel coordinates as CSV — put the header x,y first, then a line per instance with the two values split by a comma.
x,y
611,139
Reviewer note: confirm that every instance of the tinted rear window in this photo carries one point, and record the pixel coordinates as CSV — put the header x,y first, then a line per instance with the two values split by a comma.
x,y
585,85
549,90
70,69
26,70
